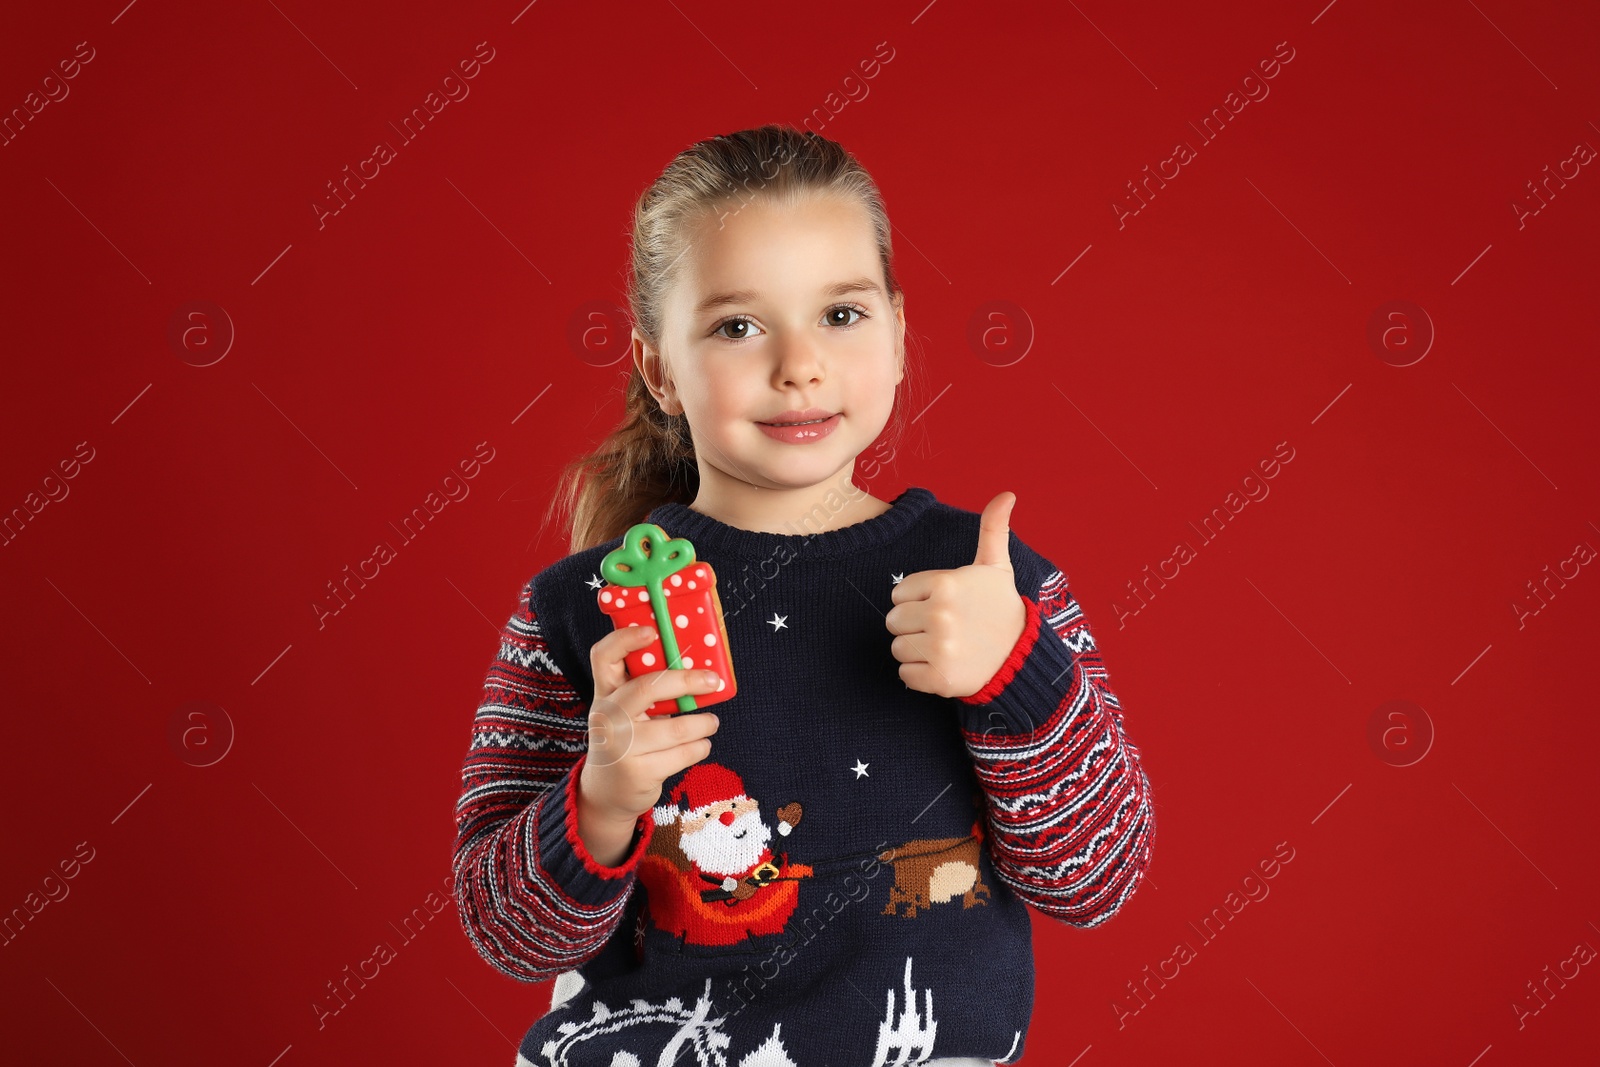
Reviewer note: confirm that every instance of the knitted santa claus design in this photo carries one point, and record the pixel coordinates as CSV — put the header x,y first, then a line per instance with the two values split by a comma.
x,y
711,876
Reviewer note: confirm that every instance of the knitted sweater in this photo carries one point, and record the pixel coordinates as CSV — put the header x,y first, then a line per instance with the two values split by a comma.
x,y
843,880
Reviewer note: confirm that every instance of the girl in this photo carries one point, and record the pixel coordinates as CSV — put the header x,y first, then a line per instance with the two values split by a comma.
x,y
832,867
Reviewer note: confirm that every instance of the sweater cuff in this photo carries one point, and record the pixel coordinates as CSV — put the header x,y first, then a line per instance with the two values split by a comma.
x,y
1027,690
564,857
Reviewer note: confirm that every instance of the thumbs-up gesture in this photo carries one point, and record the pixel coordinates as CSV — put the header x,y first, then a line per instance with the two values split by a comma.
x,y
955,628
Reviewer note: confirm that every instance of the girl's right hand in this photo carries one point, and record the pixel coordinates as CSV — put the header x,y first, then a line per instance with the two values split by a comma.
x,y
631,753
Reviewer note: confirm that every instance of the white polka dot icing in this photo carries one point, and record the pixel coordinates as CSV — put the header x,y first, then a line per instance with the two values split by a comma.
x,y
648,659
606,596
682,620
711,639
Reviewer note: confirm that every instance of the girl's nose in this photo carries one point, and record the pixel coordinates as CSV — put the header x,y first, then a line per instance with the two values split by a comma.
x,y
727,818
799,364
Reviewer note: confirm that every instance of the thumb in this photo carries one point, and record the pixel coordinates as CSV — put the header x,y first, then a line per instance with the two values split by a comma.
x,y
994,532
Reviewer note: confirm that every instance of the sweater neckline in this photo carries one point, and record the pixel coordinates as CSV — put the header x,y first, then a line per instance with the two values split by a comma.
x,y
712,535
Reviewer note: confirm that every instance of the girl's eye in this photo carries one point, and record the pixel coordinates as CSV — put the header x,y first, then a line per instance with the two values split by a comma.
x,y
861,311
735,322
739,322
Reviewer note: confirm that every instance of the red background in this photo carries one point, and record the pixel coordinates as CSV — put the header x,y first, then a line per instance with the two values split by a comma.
x,y
370,356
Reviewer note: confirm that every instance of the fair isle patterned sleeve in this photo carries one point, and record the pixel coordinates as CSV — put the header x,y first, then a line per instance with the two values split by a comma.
x,y
1070,815
532,899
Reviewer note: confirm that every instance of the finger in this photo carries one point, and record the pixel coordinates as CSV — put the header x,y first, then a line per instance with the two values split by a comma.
x,y
910,648
611,649
914,586
621,725
671,731
639,694
907,618
607,659
994,532
664,764
923,677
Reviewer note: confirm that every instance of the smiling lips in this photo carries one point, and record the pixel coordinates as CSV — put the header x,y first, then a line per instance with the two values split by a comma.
x,y
791,417
801,427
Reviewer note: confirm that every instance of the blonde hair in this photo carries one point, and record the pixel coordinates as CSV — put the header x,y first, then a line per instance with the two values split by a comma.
x,y
648,459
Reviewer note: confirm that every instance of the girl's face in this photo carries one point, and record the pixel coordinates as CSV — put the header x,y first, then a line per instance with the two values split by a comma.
x,y
779,310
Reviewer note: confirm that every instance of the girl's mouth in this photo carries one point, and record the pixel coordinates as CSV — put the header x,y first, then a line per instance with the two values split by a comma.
x,y
798,433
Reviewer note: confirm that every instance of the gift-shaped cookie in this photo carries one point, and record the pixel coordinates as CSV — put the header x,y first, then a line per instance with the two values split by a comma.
x,y
656,581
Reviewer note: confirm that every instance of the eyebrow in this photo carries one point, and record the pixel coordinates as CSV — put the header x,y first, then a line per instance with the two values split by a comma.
x,y
746,296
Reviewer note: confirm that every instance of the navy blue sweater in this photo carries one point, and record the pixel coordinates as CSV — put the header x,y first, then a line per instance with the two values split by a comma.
x,y
843,881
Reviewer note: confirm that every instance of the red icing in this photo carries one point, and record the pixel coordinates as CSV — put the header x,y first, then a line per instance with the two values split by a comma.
x,y
701,609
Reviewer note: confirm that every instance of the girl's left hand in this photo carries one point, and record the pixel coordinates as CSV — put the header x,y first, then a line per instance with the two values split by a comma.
x,y
955,628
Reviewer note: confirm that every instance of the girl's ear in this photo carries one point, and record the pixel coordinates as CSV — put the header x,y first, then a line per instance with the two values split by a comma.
x,y
653,369
900,337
